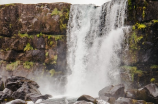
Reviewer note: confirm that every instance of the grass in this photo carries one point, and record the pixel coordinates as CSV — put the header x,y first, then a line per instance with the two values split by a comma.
x,y
28,47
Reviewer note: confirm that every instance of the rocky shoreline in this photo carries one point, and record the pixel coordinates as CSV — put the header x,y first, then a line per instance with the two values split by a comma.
x,y
18,90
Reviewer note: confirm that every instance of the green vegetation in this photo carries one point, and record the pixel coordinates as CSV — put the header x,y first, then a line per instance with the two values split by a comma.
x,y
155,21
46,54
52,72
51,43
58,37
28,47
39,35
154,67
57,12
133,70
141,26
9,4
129,4
28,64
24,35
13,65
144,8
10,25
152,80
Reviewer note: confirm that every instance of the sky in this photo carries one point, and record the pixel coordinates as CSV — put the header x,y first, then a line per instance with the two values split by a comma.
x,y
96,2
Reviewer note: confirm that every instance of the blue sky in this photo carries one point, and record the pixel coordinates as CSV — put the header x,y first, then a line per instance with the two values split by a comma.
x,y
97,2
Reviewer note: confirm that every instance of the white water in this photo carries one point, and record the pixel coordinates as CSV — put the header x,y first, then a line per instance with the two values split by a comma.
x,y
94,39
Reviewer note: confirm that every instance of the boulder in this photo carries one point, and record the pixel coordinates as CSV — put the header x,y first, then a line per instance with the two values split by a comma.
x,y
113,91
34,97
6,94
131,93
111,100
82,102
86,98
17,101
122,100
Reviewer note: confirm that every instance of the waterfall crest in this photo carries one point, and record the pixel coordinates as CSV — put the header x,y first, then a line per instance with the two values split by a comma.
x,y
94,37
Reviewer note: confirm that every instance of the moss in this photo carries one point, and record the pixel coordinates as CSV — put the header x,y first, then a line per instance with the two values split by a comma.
x,y
52,72
9,4
141,26
46,54
155,21
51,43
13,65
144,8
28,64
152,80
154,67
24,35
129,4
132,70
39,35
57,12
58,37
28,47
64,19
10,25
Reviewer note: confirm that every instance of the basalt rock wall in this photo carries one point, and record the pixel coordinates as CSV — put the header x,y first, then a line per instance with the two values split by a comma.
x,y
33,39
140,61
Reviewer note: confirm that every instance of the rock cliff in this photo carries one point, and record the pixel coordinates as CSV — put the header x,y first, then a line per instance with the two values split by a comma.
x,y
33,39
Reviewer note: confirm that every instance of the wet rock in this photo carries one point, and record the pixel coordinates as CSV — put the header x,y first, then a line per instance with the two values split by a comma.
x,y
1,85
38,55
34,97
131,93
39,42
122,100
104,90
83,102
17,101
6,94
110,100
113,91
8,55
86,98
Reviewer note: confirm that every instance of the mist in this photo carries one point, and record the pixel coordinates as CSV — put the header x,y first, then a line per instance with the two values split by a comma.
x,y
96,2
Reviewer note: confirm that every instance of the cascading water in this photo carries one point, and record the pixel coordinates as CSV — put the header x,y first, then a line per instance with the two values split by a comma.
x,y
94,39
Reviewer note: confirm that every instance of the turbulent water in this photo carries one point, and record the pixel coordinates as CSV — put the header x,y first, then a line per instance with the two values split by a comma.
x,y
94,38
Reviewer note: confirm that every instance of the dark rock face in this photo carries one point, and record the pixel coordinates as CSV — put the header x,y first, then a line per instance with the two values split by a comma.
x,y
141,10
141,58
32,18
33,39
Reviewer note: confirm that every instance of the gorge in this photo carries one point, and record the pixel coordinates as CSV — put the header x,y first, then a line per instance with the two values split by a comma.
x,y
76,49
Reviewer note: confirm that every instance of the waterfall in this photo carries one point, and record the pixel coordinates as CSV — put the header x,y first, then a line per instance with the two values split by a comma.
x,y
94,38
